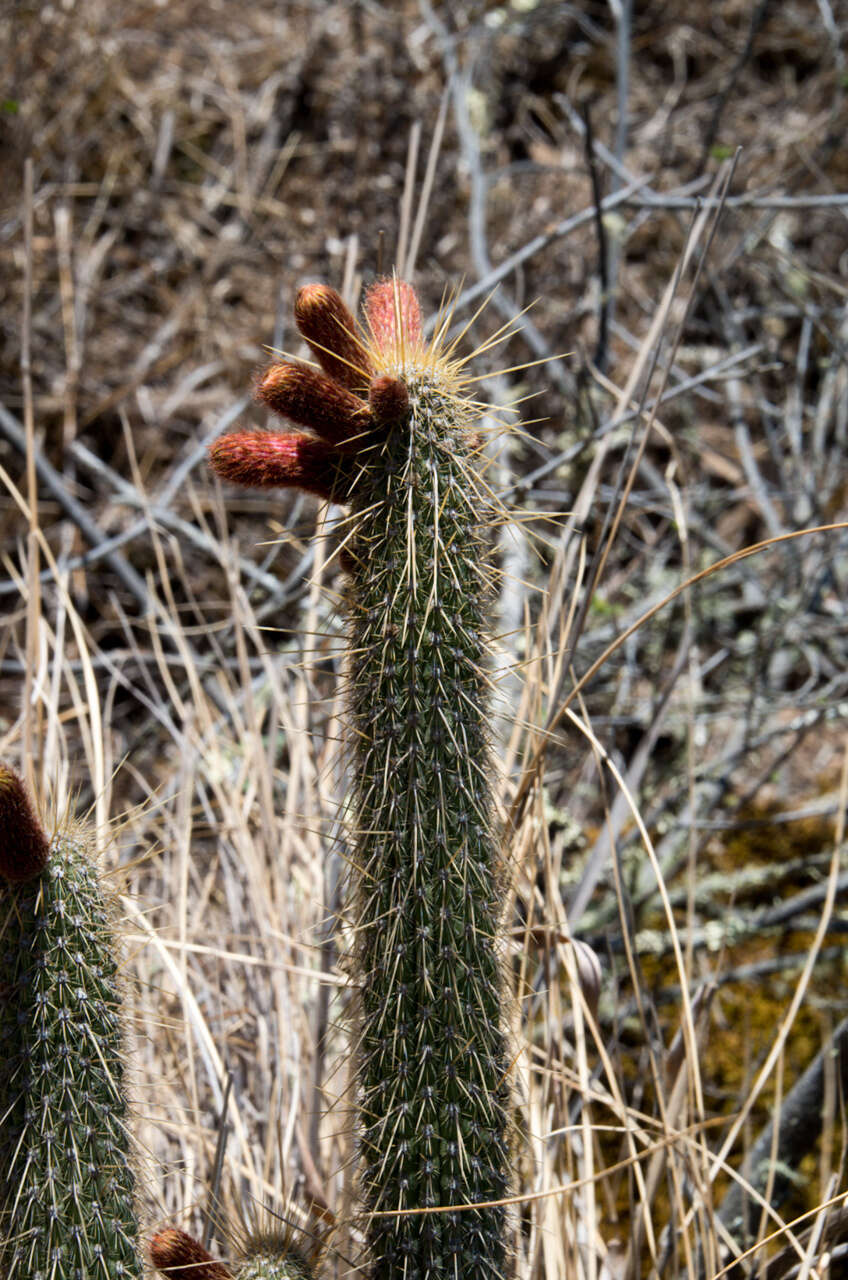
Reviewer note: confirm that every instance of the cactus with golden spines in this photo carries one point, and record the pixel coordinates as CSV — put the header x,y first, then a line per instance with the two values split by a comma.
x,y
389,417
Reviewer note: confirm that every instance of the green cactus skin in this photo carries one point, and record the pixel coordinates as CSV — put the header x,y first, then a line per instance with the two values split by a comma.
x,y
431,1059
66,1177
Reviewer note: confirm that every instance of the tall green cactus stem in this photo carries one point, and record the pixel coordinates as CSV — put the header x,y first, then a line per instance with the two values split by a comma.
x,y
425,890
432,1064
67,1187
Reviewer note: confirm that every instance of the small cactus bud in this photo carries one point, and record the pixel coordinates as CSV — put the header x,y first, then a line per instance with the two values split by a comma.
x,y
389,400
260,460
325,322
311,399
23,844
179,1257
394,314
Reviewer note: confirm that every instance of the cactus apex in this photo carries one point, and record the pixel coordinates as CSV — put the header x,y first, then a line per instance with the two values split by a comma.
x,y
23,844
329,328
272,1255
309,398
261,460
394,315
179,1257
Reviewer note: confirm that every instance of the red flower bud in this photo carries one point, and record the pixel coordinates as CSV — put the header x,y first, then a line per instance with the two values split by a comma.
x,y
393,314
179,1257
260,460
311,399
389,400
23,844
330,329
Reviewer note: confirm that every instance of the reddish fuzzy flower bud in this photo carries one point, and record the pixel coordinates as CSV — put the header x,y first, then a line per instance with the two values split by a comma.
x,y
311,399
389,400
329,328
260,460
23,844
390,302
179,1257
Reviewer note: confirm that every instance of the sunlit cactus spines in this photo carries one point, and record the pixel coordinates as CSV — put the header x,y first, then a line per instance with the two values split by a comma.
x,y
67,1181
23,844
425,883
178,1256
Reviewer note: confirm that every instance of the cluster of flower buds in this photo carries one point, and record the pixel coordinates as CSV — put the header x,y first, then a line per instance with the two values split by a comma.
x,y
345,404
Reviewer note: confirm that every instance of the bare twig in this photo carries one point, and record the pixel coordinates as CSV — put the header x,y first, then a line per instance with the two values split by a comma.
x,y
54,483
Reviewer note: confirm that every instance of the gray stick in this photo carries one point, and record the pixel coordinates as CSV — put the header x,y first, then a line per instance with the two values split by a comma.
x,y
53,482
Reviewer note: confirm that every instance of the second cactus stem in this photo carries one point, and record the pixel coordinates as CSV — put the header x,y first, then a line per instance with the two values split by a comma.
x,y
67,1182
392,422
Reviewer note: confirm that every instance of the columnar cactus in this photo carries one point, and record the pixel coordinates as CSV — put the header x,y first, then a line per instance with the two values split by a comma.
x,y
390,419
67,1185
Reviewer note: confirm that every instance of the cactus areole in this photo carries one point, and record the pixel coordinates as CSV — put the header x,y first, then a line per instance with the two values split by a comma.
x,y
391,420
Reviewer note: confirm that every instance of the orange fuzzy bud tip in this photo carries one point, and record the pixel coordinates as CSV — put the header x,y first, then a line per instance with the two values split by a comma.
x,y
179,1257
325,322
389,400
292,461
311,399
394,314
23,844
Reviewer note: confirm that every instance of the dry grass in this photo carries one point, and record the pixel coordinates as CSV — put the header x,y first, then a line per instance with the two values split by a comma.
x,y
173,660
